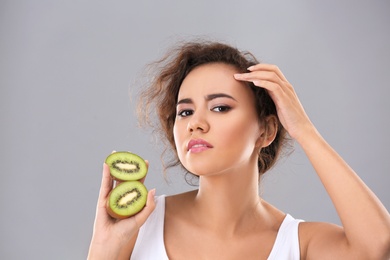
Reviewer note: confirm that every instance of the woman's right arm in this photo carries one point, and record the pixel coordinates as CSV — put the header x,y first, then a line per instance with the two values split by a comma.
x,y
114,239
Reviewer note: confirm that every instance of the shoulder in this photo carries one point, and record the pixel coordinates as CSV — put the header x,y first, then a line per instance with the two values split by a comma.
x,y
316,239
147,231
179,212
174,204
182,197
274,214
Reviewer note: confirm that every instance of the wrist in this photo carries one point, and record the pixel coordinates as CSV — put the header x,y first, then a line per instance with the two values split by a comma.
x,y
97,252
307,136
100,249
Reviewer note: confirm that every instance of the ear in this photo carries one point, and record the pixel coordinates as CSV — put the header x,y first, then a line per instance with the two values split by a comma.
x,y
269,131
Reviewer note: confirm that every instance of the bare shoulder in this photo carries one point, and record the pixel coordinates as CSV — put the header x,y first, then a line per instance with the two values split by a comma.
x,y
274,213
178,202
182,196
323,240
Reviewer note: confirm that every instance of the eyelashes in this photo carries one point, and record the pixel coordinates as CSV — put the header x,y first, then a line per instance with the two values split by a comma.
x,y
185,112
218,109
221,109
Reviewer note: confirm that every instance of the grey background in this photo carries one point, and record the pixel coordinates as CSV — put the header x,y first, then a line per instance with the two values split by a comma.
x,y
67,69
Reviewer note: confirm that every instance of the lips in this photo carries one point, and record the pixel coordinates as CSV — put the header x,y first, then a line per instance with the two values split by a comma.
x,y
198,145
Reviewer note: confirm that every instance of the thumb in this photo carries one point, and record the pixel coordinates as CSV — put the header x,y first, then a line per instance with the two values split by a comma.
x,y
127,228
143,215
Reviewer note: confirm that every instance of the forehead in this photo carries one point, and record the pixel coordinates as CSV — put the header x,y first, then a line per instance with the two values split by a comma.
x,y
213,78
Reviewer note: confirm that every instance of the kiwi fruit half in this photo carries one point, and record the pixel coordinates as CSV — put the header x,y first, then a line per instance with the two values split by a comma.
x,y
126,166
126,199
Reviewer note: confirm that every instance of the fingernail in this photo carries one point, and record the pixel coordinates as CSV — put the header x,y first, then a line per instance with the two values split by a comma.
x,y
153,192
250,68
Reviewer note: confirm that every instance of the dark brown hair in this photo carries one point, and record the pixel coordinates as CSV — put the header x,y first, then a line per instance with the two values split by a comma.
x,y
162,92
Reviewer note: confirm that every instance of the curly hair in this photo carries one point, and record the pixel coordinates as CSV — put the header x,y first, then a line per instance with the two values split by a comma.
x,y
162,93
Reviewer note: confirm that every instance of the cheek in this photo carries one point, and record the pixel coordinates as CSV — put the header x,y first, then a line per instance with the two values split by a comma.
x,y
175,135
240,137
178,137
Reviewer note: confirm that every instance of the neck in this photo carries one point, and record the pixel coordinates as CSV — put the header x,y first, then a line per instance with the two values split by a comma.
x,y
225,201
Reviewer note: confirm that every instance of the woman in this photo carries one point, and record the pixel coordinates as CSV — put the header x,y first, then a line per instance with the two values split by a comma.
x,y
226,116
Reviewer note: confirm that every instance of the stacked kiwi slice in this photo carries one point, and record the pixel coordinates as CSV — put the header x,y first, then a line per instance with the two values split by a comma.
x,y
129,196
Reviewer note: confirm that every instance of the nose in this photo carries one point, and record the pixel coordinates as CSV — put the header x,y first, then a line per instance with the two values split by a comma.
x,y
198,122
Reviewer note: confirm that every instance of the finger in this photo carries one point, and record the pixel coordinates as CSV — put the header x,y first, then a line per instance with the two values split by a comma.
x,y
268,67
142,216
106,184
260,75
116,183
142,180
147,166
266,80
129,226
268,85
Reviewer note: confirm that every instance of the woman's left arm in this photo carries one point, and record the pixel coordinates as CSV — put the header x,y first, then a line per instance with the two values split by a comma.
x,y
366,222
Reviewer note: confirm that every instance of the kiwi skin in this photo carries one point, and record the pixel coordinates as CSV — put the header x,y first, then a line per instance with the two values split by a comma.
x,y
131,159
131,209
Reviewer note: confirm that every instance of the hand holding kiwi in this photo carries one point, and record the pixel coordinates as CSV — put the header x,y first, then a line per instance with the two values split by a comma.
x,y
133,212
129,197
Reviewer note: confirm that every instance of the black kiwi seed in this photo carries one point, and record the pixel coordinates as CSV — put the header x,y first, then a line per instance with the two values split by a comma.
x,y
126,166
127,199
134,169
128,202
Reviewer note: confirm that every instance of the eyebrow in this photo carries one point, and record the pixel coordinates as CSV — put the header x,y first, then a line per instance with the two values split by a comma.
x,y
208,98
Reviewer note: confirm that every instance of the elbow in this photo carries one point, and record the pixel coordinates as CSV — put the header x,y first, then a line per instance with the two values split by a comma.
x,y
381,250
386,247
386,244
375,247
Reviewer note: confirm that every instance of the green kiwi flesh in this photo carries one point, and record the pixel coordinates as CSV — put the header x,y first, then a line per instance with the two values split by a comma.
x,y
127,199
126,166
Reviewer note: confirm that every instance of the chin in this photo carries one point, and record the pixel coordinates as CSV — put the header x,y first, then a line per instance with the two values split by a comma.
x,y
197,170
206,166
204,170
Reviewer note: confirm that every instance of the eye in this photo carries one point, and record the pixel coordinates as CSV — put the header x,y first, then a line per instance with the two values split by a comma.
x,y
221,108
185,113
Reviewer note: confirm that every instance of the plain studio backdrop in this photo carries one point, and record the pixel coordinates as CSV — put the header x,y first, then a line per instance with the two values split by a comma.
x,y
67,69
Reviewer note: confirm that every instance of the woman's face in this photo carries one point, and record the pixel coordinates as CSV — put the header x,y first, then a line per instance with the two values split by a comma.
x,y
216,128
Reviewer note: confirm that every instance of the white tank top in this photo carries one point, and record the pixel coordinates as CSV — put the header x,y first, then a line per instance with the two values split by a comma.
x,y
150,240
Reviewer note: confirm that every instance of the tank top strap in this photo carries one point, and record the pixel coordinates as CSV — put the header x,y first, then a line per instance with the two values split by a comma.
x,y
150,240
286,245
